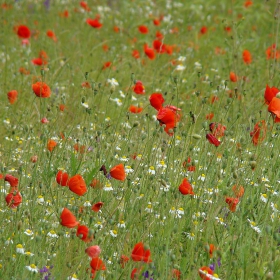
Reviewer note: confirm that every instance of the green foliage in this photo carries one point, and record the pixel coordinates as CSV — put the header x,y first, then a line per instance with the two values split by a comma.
x,y
96,128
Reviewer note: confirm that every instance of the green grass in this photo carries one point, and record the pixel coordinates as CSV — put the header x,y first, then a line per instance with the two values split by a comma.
x,y
145,202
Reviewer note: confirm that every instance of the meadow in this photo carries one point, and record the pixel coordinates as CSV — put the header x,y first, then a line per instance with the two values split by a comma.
x,y
139,140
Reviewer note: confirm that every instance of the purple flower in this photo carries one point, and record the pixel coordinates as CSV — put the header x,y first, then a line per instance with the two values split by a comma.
x,y
212,266
147,275
47,4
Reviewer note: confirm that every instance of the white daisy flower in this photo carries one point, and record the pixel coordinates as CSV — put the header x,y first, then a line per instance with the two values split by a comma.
x,y
32,268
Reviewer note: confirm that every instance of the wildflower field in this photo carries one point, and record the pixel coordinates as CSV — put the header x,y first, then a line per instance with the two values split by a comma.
x,y
140,140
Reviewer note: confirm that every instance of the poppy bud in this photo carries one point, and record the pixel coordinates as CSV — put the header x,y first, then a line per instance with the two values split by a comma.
x,y
34,159
270,275
196,136
253,164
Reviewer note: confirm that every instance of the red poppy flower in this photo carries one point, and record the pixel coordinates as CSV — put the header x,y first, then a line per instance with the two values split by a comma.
x,y
116,29
93,251
259,132
269,93
97,264
217,129
238,191
203,30
209,116
136,54
79,148
94,23
248,3
176,273
85,84
213,140
85,6
150,53
23,32
62,178
186,188
159,46
23,71
135,273
51,145
124,259
37,61
187,164
205,273
227,29
156,22
272,53
84,234
96,184
168,49
97,206
159,35
211,250
139,88
106,65
77,185
41,89
169,117
247,57
44,120
232,202
13,199
156,100
118,172
274,108
135,110
143,29
64,14
51,35
13,181
233,77
140,254
12,96
68,219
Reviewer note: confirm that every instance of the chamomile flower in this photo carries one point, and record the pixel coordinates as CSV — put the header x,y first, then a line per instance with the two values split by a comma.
x,y
85,104
20,249
161,164
73,277
28,232
220,221
202,177
254,226
98,225
264,197
52,234
32,268
123,158
9,240
128,169
29,254
181,58
113,82
197,65
151,170
180,67
149,208
87,204
121,224
117,101
108,187
113,233
40,200
190,235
